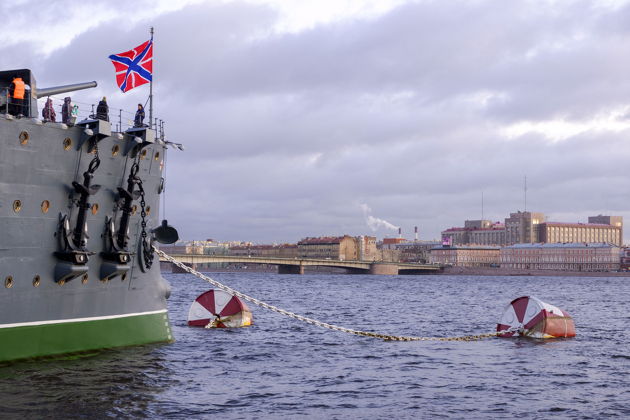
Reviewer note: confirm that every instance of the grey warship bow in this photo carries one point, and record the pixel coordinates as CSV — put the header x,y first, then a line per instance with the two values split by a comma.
x,y
78,215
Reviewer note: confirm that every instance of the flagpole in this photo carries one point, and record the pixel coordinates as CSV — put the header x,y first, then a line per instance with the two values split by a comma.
x,y
151,89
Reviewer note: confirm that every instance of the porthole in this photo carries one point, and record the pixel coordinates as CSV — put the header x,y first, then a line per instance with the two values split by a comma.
x,y
134,209
8,282
115,150
157,156
94,208
24,136
67,143
85,278
45,206
17,206
36,281
143,154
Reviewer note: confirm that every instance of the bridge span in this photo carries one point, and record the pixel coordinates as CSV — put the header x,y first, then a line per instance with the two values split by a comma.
x,y
297,265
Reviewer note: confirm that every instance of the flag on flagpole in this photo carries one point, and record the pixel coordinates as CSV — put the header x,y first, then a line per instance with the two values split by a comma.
x,y
134,67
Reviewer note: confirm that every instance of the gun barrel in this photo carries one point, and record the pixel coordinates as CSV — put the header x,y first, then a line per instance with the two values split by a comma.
x,y
63,89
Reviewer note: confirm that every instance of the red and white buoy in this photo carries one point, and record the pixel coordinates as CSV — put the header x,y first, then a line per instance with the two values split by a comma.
x,y
219,309
531,317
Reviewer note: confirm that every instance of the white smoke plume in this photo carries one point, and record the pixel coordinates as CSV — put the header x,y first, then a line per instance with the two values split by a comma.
x,y
374,222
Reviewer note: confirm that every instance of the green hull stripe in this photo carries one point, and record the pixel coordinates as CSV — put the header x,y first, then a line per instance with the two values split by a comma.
x,y
93,318
71,337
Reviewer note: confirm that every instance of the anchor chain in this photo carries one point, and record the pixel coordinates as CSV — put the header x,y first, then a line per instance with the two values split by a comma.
x,y
96,160
385,337
147,252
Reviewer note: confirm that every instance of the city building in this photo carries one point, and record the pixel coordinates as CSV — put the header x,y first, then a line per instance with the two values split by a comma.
x,y
608,220
477,224
207,247
476,232
416,251
390,243
494,235
531,227
455,236
367,248
339,248
522,227
272,251
333,247
559,256
466,256
553,232
406,251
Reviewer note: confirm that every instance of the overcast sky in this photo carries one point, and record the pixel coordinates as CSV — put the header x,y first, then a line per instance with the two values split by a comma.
x,y
308,118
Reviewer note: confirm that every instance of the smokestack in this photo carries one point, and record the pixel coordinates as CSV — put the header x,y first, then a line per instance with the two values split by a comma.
x,y
399,232
415,229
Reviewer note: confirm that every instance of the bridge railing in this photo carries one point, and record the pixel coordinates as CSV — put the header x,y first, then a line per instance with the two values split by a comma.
x,y
295,260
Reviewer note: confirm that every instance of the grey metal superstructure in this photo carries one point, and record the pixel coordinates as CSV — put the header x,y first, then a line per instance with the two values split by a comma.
x,y
72,246
40,93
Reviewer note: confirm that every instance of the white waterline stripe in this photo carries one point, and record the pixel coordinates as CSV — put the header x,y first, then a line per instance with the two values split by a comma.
x,y
66,321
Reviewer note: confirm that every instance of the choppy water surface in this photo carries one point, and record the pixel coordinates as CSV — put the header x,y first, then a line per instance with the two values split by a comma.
x,y
281,368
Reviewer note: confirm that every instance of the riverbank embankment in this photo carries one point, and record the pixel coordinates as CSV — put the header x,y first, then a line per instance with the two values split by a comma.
x,y
497,271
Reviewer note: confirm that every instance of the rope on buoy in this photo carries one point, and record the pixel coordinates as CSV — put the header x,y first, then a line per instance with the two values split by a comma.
x,y
218,320
385,337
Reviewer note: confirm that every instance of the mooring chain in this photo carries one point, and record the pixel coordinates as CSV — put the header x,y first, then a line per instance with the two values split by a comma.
x,y
311,321
147,255
96,160
146,248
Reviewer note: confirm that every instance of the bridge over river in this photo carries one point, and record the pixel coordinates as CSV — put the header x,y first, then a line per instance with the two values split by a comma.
x,y
296,265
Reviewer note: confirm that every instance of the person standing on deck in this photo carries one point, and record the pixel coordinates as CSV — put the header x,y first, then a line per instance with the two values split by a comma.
x,y
16,96
139,119
66,111
48,112
102,110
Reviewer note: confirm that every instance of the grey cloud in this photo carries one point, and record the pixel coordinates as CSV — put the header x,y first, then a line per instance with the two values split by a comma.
x,y
287,134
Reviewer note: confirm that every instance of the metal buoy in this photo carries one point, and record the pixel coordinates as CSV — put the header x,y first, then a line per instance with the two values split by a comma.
x,y
218,309
531,317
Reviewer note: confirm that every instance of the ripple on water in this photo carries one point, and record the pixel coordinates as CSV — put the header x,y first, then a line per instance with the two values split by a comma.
x,y
280,368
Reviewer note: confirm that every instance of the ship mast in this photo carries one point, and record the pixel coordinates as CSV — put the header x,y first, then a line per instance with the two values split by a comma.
x,y
151,85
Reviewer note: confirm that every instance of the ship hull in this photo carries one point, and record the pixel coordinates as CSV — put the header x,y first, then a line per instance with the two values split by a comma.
x,y
40,315
51,338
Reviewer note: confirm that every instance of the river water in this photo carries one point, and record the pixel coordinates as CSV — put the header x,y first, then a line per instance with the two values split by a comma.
x,y
283,369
